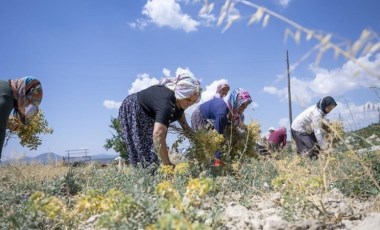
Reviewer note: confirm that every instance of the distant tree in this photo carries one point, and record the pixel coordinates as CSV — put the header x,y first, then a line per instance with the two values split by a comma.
x,y
28,133
117,142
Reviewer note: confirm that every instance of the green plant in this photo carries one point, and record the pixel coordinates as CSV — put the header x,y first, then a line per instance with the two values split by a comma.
x,y
39,196
357,176
117,142
28,134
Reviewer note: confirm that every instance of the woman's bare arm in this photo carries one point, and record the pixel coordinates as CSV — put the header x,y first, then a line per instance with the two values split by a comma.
x,y
159,140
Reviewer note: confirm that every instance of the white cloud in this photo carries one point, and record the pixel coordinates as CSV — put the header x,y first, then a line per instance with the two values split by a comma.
x,y
143,81
356,116
140,24
281,93
283,3
210,90
109,104
254,105
181,70
284,122
350,76
166,72
168,13
334,82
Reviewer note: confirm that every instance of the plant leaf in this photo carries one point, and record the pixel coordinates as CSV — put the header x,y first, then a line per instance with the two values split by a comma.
x,y
326,39
266,20
309,35
256,17
223,12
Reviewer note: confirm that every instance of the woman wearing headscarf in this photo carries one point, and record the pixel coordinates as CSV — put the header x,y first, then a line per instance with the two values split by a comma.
x,y
277,139
23,96
262,144
222,89
307,127
145,117
217,114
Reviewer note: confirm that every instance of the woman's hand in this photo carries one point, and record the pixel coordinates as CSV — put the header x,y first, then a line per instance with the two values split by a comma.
x,y
186,128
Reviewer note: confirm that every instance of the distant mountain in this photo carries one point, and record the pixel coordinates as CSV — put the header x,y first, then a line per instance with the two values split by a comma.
x,y
46,157
52,157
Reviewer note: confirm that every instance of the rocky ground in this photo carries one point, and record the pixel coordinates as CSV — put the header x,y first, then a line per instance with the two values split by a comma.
x,y
266,214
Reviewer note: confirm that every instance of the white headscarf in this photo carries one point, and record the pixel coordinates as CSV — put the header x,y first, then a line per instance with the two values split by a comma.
x,y
184,86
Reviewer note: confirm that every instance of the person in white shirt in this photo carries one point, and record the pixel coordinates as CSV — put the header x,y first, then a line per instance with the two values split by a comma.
x,y
307,130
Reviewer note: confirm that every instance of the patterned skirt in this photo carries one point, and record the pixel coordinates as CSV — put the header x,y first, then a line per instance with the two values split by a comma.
x,y
137,130
6,106
198,122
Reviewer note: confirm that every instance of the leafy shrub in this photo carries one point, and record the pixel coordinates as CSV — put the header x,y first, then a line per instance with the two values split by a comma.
x,y
357,175
28,134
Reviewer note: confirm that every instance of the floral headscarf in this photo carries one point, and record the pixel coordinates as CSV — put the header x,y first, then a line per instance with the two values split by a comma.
x,y
236,99
27,92
184,86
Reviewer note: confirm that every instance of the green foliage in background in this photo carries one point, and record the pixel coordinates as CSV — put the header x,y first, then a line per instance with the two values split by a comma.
x,y
362,137
116,142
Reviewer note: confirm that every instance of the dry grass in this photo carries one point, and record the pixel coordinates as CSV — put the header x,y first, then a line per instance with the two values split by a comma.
x,y
18,172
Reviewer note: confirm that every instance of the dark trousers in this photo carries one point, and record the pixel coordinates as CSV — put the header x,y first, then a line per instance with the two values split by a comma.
x,y
307,144
6,106
262,150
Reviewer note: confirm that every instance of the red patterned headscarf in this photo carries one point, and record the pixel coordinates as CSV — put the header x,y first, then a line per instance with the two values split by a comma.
x,y
236,99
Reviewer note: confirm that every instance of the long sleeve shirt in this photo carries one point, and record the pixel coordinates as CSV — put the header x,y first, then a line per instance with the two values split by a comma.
x,y
310,121
216,110
278,137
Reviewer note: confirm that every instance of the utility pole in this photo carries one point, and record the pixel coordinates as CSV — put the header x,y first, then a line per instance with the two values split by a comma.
x,y
289,93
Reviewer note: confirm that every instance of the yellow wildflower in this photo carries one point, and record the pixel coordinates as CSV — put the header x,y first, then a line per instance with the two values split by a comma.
x,y
182,168
166,169
166,190
199,187
50,206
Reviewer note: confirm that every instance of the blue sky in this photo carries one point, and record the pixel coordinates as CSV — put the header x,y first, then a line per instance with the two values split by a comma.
x,y
91,54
